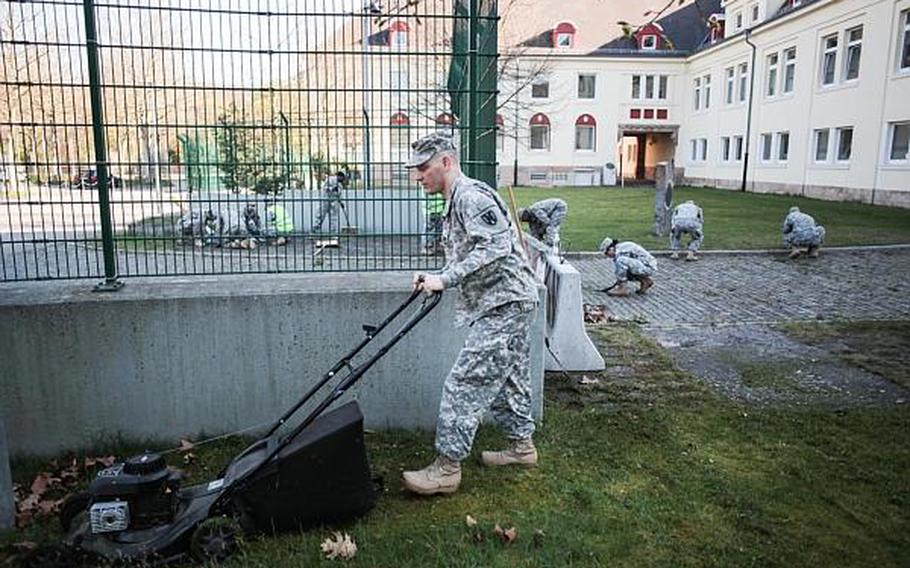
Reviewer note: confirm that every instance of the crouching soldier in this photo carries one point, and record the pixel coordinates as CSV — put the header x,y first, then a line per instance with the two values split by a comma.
x,y
688,219
198,227
278,225
544,219
800,230
497,303
630,262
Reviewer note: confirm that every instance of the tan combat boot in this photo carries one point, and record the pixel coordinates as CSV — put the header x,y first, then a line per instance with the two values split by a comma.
x,y
674,255
795,252
691,255
441,476
520,452
644,284
621,290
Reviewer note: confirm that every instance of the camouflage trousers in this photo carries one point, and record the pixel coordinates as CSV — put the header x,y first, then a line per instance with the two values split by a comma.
x,y
808,237
686,226
628,268
328,207
493,373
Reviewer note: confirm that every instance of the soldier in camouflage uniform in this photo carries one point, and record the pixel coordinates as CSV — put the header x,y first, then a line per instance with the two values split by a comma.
x,y
630,262
544,219
331,200
497,301
800,230
688,218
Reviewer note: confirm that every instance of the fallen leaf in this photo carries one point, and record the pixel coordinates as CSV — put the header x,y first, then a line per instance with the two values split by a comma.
x,y
43,481
585,380
189,458
470,521
507,535
341,546
185,446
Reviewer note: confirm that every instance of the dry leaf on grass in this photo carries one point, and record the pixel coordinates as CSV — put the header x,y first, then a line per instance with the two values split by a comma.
x,y
342,546
596,313
508,536
585,380
185,445
470,521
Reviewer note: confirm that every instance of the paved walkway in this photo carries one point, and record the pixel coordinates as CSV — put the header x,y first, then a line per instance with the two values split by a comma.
x,y
753,288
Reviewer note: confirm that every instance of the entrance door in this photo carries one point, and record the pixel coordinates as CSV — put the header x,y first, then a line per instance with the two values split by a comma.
x,y
629,156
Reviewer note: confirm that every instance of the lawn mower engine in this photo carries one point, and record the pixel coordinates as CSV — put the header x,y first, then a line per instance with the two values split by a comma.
x,y
137,494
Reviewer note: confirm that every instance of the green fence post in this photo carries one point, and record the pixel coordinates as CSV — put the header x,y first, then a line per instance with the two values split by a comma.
x,y
111,282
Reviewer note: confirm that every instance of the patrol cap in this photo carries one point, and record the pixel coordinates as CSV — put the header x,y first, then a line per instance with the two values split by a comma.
x,y
424,149
606,244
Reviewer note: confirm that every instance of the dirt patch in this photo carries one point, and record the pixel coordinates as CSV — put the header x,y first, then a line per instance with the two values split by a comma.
x,y
758,364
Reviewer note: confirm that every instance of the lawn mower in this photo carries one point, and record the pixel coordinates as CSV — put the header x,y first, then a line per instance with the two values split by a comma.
x,y
315,473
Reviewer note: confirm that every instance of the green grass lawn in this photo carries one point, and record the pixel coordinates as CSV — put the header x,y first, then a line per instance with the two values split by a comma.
x,y
733,220
647,469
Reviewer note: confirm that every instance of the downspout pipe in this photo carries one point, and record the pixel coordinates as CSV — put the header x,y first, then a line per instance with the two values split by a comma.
x,y
748,136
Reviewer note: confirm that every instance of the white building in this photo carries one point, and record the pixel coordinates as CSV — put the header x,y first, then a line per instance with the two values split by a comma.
x,y
786,96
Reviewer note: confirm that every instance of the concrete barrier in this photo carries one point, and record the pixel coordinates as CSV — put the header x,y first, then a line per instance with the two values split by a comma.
x,y
7,499
565,320
171,357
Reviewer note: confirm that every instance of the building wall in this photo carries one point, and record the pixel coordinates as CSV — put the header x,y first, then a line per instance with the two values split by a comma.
x,y
868,104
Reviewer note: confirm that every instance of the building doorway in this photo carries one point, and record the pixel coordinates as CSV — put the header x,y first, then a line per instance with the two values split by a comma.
x,y
641,150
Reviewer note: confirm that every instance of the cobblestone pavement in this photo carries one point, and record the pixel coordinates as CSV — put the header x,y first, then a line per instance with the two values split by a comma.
x,y
760,288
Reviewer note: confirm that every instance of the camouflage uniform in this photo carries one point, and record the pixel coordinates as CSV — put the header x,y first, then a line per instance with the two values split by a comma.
x,y
331,201
434,208
544,219
498,300
632,262
800,230
687,219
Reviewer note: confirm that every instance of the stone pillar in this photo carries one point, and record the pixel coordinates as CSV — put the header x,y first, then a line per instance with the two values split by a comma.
x,y
663,198
7,500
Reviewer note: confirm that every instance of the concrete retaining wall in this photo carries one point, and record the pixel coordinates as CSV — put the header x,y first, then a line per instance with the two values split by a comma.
x,y
171,357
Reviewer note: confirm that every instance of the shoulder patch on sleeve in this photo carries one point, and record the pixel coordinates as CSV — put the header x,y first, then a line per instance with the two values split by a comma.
x,y
489,217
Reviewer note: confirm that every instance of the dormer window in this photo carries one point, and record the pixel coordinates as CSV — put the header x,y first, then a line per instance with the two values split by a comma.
x,y
716,23
398,35
649,42
650,37
564,36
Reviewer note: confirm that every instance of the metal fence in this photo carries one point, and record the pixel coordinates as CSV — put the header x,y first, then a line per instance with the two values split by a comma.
x,y
170,137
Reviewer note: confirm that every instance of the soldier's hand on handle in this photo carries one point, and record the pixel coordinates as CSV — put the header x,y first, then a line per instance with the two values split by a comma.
x,y
429,283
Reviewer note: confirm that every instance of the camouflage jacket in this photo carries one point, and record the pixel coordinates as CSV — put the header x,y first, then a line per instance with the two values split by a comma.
x,y
798,224
688,211
483,255
634,250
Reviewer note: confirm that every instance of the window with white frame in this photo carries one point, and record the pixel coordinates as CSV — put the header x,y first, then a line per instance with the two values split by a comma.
x,y
737,21
586,86
903,42
725,148
829,60
789,70
766,146
738,148
698,149
783,146
564,39
649,87
822,136
898,142
730,85
540,89
854,37
844,143
585,136
649,42
696,96
755,13
743,81
771,83
539,132
706,91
